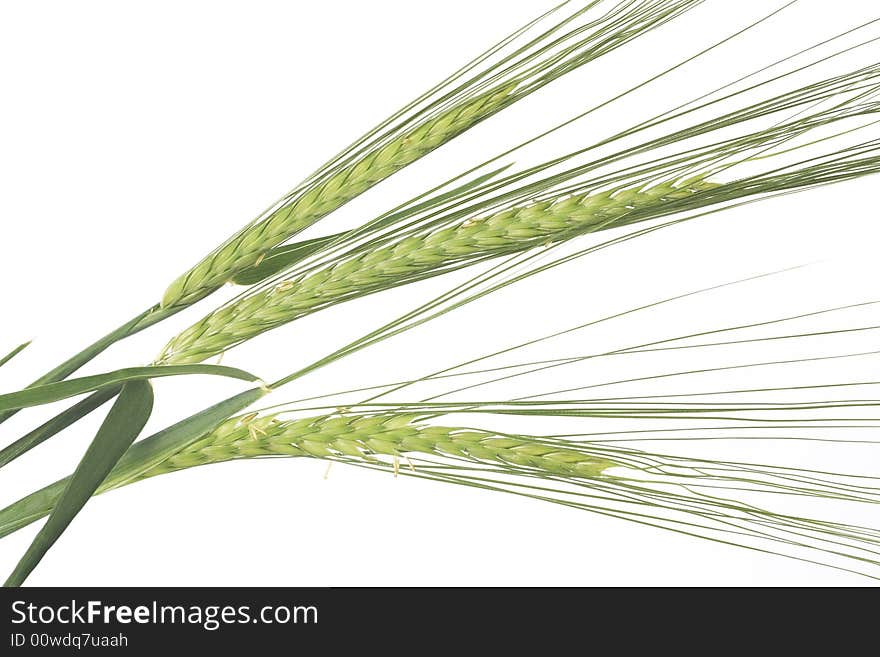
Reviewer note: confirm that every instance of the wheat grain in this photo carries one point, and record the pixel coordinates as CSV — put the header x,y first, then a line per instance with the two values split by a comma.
x,y
505,232
371,437
328,194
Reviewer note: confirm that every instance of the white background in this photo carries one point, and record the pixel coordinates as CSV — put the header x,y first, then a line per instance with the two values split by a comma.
x,y
136,136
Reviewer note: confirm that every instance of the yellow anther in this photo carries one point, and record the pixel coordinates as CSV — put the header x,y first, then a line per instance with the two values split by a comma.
x,y
247,419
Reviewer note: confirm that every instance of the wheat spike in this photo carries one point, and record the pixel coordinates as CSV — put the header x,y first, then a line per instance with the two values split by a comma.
x,y
509,231
370,438
248,247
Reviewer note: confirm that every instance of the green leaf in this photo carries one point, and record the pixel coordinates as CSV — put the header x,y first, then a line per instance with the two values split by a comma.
x,y
12,354
281,258
140,457
57,424
121,427
151,451
69,366
148,318
52,392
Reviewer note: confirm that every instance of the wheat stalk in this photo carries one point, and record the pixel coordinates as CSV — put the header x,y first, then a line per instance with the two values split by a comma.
x,y
515,229
252,244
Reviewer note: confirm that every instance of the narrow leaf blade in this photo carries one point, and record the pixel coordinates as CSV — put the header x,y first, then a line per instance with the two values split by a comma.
x,y
57,424
282,257
70,366
140,457
52,392
151,451
121,427
12,354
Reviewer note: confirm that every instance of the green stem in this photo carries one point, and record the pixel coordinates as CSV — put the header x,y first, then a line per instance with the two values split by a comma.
x,y
148,318
57,424
153,315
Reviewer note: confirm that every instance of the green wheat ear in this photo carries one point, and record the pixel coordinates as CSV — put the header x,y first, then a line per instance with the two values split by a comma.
x,y
368,438
249,246
515,229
